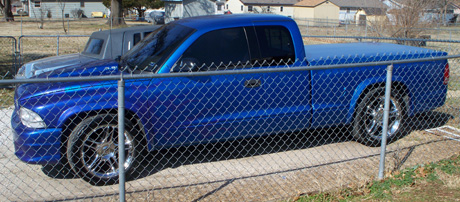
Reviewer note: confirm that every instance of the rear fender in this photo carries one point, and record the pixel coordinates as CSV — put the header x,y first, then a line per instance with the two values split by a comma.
x,y
374,81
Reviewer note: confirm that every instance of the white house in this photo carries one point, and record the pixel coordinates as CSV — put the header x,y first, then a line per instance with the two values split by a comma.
x,y
280,7
358,11
71,8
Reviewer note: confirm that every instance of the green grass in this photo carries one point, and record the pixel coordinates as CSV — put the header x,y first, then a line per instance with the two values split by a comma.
x,y
6,98
419,183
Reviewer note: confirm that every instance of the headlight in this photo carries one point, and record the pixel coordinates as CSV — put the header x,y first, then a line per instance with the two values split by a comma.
x,y
26,71
31,119
21,73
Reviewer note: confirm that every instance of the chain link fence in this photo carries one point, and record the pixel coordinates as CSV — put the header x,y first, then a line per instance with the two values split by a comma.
x,y
249,134
8,57
33,47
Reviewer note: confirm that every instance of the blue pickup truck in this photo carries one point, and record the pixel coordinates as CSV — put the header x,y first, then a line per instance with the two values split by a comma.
x,y
76,122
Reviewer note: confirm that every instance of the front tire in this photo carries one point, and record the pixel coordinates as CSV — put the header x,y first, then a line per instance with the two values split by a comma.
x,y
368,121
92,149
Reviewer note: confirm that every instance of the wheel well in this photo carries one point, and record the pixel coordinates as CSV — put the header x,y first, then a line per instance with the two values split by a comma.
x,y
399,87
71,122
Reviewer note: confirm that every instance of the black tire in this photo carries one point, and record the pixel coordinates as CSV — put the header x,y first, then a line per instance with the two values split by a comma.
x,y
368,120
92,149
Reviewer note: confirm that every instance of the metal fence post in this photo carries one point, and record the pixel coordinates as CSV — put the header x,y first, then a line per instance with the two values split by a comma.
x,y
15,56
386,114
121,138
57,46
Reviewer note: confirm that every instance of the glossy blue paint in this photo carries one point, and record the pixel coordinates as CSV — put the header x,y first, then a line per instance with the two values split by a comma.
x,y
335,92
36,146
192,110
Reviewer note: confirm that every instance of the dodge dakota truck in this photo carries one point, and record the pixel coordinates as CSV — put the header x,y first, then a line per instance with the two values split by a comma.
x,y
77,122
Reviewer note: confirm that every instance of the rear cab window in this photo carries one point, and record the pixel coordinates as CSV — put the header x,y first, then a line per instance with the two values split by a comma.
x,y
275,45
136,38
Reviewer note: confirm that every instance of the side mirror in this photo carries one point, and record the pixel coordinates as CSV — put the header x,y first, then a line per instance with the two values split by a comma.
x,y
187,65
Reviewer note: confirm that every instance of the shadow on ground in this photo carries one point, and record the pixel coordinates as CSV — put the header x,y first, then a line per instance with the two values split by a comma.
x,y
156,161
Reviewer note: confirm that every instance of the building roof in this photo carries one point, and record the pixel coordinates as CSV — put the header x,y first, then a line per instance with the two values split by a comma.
x,y
310,3
269,2
375,11
430,4
359,3
344,3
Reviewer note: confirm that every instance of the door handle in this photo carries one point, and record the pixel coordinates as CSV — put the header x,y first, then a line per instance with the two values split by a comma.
x,y
252,83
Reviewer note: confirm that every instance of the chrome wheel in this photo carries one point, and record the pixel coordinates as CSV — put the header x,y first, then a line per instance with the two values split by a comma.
x,y
368,121
374,117
92,149
100,151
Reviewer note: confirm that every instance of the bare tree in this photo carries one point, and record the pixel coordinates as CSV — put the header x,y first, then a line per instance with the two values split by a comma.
x,y
441,8
409,17
42,14
405,21
61,4
5,5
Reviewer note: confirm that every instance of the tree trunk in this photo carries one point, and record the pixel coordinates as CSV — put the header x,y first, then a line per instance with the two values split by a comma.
x,y
116,13
8,15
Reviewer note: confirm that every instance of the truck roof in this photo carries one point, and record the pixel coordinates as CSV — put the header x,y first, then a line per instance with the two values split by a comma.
x,y
221,21
125,29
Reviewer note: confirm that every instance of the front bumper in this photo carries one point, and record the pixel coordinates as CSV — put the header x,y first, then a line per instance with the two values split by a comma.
x,y
36,146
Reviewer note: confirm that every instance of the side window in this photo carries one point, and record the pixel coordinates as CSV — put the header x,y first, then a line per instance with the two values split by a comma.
x,y
219,49
275,44
136,38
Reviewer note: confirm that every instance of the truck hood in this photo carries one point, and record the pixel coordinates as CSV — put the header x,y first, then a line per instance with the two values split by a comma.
x,y
89,68
44,65
346,53
28,91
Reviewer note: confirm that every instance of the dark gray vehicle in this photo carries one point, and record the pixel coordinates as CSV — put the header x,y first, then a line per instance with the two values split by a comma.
x,y
107,44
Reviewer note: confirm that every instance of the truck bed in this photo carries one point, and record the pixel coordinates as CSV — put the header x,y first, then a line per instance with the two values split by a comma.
x,y
344,53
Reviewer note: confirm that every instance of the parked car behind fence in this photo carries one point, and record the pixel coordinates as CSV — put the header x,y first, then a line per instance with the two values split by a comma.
x,y
107,44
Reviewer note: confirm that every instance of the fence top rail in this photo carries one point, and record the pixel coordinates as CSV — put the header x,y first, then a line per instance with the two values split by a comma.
x,y
22,36
214,73
11,37
383,38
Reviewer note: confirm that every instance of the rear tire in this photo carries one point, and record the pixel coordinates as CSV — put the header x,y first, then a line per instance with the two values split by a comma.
x,y
368,120
92,149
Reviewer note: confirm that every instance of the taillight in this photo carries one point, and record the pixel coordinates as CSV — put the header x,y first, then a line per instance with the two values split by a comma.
x,y
446,74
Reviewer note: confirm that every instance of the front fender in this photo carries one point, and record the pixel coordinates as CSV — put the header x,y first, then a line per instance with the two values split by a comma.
x,y
111,106
85,109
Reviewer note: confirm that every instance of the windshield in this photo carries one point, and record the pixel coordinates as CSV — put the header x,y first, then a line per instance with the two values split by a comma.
x,y
153,51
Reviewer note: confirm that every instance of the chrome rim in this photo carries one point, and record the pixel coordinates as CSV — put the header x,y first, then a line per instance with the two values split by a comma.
x,y
374,117
100,151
